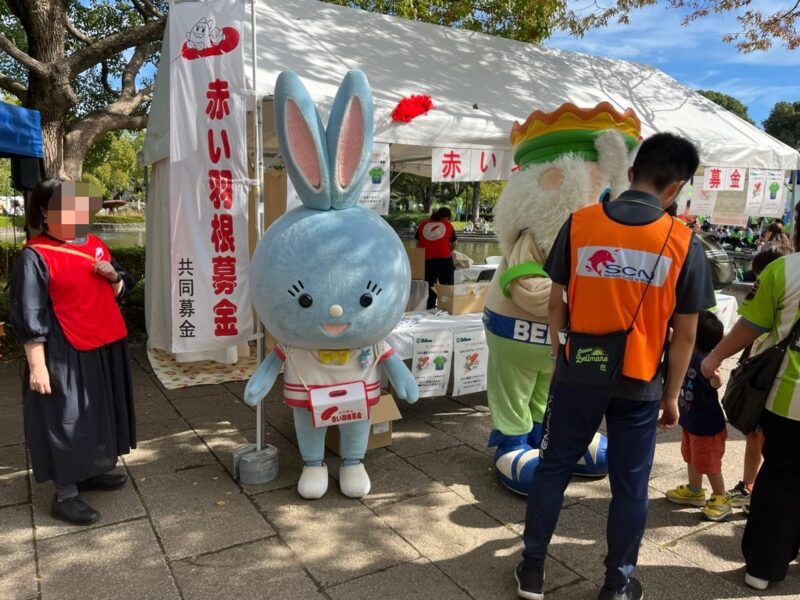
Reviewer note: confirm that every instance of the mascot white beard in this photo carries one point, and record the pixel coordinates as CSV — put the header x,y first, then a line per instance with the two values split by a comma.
x,y
531,211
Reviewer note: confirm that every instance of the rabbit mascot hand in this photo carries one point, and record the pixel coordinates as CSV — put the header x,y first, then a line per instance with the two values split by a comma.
x,y
330,280
568,159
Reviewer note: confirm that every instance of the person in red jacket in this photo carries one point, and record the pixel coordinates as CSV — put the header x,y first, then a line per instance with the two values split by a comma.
x,y
437,236
77,390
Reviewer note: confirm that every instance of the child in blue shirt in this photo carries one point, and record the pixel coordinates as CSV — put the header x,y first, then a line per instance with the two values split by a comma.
x,y
704,429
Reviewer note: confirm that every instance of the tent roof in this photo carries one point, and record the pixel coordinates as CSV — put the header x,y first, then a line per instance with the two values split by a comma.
x,y
480,85
20,132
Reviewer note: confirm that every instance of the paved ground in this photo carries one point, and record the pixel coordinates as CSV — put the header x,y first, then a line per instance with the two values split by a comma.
x,y
436,524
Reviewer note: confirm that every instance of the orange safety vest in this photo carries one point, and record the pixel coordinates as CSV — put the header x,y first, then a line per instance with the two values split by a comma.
x,y
613,263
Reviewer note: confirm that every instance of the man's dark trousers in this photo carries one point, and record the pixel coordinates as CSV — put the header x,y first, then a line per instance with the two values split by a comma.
x,y
572,418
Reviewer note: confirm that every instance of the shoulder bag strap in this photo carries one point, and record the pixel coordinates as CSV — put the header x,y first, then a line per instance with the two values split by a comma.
x,y
652,275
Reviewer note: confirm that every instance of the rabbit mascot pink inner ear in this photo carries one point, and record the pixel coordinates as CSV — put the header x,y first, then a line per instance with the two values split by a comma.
x,y
330,280
569,158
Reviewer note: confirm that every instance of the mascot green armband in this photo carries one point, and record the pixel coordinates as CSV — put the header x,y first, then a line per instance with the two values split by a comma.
x,y
526,269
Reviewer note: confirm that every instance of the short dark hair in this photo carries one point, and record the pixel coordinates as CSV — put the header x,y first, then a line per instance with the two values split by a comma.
x,y
40,200
663,159
769,253
442,213
709,331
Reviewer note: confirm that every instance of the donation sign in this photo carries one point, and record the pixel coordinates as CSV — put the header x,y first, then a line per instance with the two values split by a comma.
x,y
756,188
375,193
774,204
470,358
208,176
431,360
703,202
470,164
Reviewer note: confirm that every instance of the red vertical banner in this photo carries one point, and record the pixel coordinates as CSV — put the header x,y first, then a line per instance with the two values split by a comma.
x,y
208,176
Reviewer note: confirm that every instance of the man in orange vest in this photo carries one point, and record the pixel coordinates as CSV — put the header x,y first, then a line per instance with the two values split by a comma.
x,y
623,272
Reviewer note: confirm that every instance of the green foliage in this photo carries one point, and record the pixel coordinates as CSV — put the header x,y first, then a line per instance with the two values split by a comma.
x,y
111,163
404,220
783,123
119,219
727,102
516,19
17,221
6,188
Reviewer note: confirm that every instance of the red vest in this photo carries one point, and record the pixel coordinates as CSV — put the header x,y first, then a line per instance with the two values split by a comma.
x,y
611,265
435,237
83,301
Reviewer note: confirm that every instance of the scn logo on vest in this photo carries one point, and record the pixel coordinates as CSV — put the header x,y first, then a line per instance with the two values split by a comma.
x,y
623,263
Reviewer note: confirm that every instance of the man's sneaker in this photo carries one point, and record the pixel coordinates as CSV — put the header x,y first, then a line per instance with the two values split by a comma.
x,y
740,495
530,582
633,591
755,582
683,495
717,508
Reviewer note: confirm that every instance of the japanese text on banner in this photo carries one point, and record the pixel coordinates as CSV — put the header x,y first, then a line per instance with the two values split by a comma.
x,y
208,171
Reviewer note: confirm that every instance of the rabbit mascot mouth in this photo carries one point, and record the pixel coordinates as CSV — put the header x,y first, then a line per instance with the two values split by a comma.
x,y
568,158
329,280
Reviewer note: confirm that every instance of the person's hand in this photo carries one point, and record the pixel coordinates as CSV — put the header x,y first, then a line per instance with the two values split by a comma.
x,y
105,269
710,366
669,414
40,380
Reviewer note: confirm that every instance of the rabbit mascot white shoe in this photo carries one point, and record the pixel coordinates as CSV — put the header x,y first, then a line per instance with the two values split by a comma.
x,y
330,280
568,158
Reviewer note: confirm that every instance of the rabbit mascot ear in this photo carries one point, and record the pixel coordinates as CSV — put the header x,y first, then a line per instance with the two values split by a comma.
x,y
568,158
330,280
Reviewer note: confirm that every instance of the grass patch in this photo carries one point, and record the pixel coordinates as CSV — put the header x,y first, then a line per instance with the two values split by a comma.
x,y
119,219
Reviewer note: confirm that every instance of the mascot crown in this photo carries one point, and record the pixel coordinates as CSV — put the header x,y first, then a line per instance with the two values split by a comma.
x,y
543,137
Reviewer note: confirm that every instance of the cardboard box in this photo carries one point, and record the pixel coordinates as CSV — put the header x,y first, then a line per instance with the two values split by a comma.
x,y
416,258
462,298
380,435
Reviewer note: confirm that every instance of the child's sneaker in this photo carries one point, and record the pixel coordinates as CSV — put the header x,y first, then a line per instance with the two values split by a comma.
x,y
683,495
718,508
740,495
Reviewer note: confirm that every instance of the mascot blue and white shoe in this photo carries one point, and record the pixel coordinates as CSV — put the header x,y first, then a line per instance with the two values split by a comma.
x,y
330,280
567,159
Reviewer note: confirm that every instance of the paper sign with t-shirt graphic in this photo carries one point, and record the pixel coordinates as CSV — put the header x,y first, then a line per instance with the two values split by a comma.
x,y
339,404
433,351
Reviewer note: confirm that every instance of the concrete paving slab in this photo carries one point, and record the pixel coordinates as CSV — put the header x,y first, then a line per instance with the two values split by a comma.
x,y
115,506
472,429
11,429
474,401
194,391
15,530
199,511
412,436
471,475
416,579
151,406
263,569
440,406
13,475
11,384
122,561
138,353
336,538
279,417
17,560
274,395
394,480
579,590
220,410
165,447
471,548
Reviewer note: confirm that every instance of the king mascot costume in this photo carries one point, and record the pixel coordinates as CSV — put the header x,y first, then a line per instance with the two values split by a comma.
x,y
330,280
567,159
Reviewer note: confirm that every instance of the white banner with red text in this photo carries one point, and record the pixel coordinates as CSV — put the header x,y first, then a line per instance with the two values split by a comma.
x,y
208,176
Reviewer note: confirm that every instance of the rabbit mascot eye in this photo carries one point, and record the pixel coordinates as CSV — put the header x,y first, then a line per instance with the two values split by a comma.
x,y
568,158
330,280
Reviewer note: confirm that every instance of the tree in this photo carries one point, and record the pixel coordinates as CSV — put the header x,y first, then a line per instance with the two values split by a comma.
x,y
759,30
79,62
112,163
727,102
516,19
783,123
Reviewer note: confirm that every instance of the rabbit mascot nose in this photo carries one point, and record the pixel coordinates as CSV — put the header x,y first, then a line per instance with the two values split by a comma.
x,y
568,158
329,280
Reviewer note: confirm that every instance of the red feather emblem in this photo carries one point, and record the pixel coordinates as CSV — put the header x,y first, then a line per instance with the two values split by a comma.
x,y
412,107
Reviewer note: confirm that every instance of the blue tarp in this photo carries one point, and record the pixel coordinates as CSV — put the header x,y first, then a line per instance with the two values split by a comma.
x,y
20,131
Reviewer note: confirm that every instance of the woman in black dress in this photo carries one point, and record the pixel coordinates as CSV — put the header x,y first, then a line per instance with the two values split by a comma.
x,y
77,392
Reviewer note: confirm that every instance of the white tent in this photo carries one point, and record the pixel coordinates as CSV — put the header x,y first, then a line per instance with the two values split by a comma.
x,y
479,84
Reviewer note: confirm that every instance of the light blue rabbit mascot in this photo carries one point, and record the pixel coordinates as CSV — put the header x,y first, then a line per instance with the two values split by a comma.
x,y
330,280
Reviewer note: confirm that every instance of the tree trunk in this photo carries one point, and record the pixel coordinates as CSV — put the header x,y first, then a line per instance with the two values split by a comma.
x,y
50,93
427,200
476,201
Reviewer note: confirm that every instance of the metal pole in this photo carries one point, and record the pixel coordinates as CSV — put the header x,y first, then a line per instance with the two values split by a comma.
x,y
259,175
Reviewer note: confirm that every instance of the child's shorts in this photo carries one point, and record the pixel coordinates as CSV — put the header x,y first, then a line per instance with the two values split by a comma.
x,y
704,452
